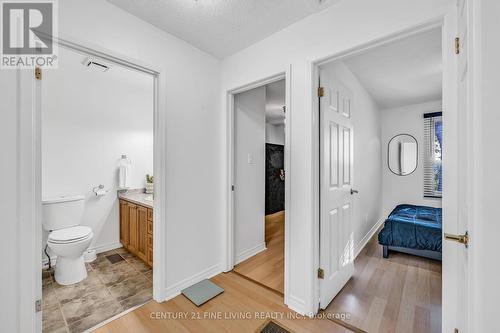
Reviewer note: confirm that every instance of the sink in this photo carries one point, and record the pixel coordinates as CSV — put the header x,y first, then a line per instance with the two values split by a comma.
x,y
149,198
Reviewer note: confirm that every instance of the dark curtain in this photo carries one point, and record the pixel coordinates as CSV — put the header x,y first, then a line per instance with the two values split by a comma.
x,y
275,182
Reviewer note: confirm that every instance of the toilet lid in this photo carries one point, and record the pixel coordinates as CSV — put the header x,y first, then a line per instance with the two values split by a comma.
x,y
71,234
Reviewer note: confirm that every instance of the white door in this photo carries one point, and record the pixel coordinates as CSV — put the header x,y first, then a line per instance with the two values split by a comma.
x,y
455,254
336,176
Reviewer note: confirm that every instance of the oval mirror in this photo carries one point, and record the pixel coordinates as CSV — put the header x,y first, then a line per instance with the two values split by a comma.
x,y
402,155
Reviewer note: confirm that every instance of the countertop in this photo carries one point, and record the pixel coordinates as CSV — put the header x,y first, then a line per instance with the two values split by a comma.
x,y
137,196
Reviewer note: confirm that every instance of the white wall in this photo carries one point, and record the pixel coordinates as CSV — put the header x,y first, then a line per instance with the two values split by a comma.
x,y
337,28
9,192
365,118
275,134
193,161
483,264
86,127
406,189
250,159
193,148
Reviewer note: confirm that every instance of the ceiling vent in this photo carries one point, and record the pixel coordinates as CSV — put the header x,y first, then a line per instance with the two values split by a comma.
x,y
96,65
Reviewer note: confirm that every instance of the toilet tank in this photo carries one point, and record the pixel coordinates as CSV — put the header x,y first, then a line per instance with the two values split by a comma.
x,y
62,212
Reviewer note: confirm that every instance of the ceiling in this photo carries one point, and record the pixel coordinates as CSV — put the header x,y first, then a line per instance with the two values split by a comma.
x,y
275,100
222,27
402,73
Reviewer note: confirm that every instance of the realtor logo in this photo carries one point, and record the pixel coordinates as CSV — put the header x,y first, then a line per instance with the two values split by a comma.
x,y
27,34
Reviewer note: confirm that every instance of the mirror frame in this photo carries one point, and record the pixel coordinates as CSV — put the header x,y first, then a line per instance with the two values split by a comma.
x,y
388,152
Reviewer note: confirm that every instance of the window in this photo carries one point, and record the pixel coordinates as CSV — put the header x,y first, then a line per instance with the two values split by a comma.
x,y
433,152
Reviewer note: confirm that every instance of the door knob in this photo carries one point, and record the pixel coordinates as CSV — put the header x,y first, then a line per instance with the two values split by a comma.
x,y
463,239
354,191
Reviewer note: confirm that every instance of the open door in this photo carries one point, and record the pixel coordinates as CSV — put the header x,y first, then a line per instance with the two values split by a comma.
x,y
455,223
336,178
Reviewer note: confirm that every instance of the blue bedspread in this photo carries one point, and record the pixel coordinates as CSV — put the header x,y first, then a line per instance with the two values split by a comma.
x,y
414,227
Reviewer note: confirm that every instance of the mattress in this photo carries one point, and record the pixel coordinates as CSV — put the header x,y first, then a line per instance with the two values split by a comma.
x,y
414,227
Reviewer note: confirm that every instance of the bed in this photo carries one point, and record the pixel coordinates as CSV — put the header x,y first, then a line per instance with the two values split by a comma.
x,y
413,229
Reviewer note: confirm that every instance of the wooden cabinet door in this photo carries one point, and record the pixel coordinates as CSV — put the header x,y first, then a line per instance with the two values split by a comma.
x,y
150,238
150,255
142,233
124,224
133,227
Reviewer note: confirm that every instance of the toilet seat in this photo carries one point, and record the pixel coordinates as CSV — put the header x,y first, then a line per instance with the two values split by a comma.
x,y
70,235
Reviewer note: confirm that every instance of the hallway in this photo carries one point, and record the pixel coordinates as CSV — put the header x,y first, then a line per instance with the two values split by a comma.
x,y
268,266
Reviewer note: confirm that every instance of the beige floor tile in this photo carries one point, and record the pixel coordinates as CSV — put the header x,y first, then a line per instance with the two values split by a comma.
x,y
137,299
66,294
130,287
115,273
85,306
108,290
104,311
52,318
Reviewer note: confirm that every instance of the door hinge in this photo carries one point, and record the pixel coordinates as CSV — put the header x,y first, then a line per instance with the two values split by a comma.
x,y
321,273
457,45
232,188
38,305
38,73
321,91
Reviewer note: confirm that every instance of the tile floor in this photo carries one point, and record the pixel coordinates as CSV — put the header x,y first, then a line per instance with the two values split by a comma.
x,y
113,285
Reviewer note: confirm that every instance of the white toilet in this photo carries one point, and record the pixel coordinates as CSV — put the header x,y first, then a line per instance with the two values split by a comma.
x,y
61,216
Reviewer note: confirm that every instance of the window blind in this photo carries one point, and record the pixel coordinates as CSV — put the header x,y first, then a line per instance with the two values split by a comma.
x,y
433,179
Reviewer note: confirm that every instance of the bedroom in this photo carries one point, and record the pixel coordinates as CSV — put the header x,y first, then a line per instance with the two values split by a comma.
x,y
381,129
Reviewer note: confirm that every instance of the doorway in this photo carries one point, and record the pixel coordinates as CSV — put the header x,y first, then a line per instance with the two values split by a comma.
x,y
259,122
259,166
380,184
97,148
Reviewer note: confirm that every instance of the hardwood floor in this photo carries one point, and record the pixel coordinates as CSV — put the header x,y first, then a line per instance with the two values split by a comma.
x,y
399,294
268,266
241,297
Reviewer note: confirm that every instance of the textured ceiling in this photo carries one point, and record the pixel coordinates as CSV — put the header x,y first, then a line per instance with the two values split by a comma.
x,y
222,27
404,72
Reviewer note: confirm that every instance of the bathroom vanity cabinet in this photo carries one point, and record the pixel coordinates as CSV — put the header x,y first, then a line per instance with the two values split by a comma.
x,y
136,230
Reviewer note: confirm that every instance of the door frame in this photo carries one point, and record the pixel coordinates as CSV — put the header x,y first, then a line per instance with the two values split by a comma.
x,y
447,23
30,176
229,255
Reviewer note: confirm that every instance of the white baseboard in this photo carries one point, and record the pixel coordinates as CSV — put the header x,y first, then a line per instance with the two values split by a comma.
x,y
176,288
296,304
107,247
368,236
98,249
250,252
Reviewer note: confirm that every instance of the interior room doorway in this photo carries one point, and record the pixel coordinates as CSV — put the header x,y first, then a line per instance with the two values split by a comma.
x,y
259,137
97,148
381,169
260,150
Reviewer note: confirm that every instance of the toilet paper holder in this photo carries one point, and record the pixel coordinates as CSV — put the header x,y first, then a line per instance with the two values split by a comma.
x,y
99,190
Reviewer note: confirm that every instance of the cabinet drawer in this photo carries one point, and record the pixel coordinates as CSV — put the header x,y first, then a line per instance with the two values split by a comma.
x,y
150,214
150,227
150,241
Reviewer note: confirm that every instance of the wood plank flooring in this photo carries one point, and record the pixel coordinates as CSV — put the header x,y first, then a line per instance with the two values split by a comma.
x,y
268,266
399,294
241,297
